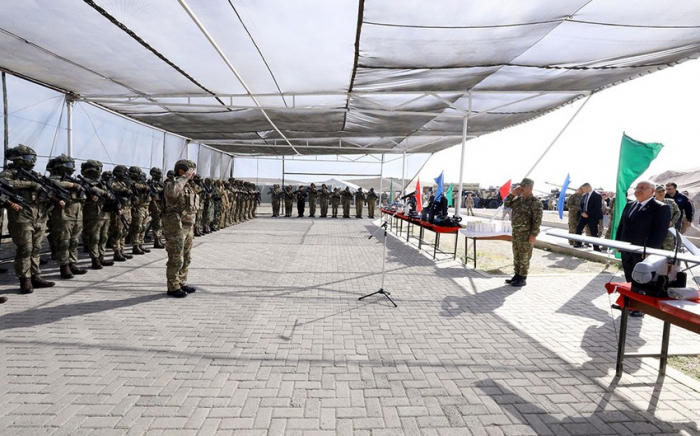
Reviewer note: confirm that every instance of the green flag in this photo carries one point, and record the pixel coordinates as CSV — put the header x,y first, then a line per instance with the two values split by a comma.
x,y
635,158
448,194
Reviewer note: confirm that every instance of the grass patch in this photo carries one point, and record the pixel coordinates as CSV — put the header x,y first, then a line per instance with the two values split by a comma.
x,y
689,365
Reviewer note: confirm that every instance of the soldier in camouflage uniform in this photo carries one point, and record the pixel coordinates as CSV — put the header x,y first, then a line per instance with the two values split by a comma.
x,y
469,204
312,193
526,221
96,214
27,224
233,198
257,199
335,202
140,203
346,197
67,222
199,221
372,198
275,194
660,195
288,200
573,203
324,195
121,186
5,202
179,212
156,206
360,200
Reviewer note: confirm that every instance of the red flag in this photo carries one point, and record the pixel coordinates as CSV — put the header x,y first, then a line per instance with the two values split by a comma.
x,y
419,203
505,190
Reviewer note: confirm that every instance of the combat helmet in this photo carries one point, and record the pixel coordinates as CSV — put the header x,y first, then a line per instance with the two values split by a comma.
x,y
156,173
184,164
170,174
91,167
135,173
120,172
22,156
63,164
106,176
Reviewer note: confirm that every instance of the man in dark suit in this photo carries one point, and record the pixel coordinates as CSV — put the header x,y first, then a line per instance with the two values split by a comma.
x,y
591,213
644,222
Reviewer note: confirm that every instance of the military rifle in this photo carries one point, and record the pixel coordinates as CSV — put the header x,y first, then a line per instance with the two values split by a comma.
x,y
8,191
50,187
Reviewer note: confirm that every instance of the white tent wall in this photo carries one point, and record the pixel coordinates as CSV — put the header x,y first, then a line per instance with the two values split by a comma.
x,y
37,117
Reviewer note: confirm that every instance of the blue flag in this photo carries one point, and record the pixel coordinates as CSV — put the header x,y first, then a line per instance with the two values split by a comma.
x,y
441,186
562,198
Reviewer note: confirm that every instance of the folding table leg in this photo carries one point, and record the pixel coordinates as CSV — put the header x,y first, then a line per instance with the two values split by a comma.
x,y
664,348
623,338
437,243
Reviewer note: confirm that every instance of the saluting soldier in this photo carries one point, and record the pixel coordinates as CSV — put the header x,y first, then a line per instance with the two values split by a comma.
x,y
313,193
324,196
335,202
288,200
179,214
275,194
360,199
372,198
27,225
526,221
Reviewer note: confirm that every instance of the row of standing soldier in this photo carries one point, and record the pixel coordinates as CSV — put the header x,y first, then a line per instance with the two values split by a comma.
x,y
102,207
325,197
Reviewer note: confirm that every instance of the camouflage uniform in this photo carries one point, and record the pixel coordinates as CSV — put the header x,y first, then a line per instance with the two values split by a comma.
x,y
140,205
346,197
66,222
275,194
360,200
323,196
95,216
573,203
28,225
199,190
371,202
469,204
179,212
288,200
118,227
335,202
156,206
526,221
670,241
313,193
256,201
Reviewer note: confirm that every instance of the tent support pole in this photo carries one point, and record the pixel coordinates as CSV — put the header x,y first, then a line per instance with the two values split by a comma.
x,y
69,125
283,185
465,125
559,135
381,179
5,117
403,174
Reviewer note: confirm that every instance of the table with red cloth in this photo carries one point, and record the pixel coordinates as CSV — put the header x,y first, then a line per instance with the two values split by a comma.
x,y
396,220
682,313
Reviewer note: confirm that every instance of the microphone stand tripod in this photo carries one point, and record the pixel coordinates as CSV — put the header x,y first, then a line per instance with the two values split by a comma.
x,y
381,290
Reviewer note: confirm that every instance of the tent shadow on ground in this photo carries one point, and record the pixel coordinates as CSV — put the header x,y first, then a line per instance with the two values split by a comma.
x,y
47,315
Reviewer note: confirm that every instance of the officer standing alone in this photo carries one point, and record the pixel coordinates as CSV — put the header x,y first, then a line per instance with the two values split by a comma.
x,y
526,221
179,215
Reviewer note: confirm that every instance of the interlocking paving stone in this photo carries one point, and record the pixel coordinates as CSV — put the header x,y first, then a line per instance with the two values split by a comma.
x,y
275,342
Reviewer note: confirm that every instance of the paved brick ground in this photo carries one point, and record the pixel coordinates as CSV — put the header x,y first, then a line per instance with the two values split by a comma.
x,y
276,342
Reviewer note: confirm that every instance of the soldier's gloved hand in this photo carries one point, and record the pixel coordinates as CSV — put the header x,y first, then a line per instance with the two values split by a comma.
x,y
36,186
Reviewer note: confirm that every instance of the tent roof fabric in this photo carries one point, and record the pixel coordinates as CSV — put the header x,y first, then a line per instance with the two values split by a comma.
x,y
341,77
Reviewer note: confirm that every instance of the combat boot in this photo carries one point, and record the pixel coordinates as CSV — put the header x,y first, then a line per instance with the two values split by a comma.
x,y
38,282
158,244
144,249
3,299
126,255
96,264
75,269
25,285
137,250
189,289
66,272
519,282
105,262
512,279
119,257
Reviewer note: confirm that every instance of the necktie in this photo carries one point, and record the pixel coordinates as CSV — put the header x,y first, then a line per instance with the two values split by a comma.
x,y
635,209
585,202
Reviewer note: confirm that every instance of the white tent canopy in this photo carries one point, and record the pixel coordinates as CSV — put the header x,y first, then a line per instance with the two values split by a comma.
x,y
340,77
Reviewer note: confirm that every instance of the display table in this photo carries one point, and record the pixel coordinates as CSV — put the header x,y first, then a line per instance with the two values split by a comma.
x,y
685,314
396,220
493,231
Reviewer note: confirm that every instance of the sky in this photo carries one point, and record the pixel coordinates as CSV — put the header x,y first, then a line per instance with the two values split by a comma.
x,y
660,107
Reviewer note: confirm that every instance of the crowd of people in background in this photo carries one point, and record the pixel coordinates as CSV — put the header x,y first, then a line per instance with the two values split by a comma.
x,y
323,197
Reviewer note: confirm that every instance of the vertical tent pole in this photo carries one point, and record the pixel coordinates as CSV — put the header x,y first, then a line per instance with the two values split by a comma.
x,y
403,174
381,179
6,113
165,170
283,185
69,124
231,167
465,122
